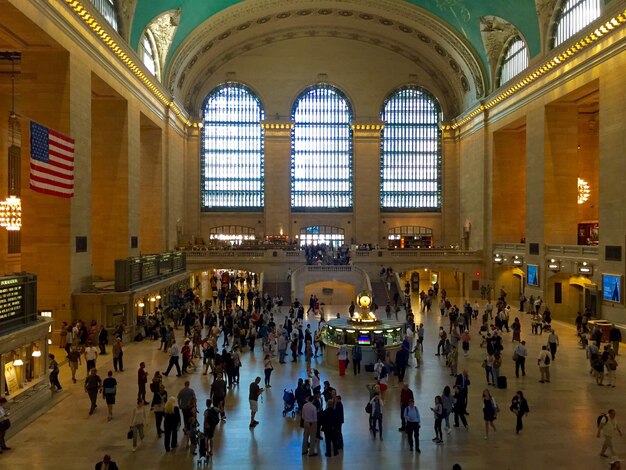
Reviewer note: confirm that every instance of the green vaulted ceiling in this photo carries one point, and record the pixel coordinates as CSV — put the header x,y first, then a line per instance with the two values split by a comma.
x,y
462,15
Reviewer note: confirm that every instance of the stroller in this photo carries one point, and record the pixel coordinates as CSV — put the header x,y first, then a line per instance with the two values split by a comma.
x,y
203,457
290,403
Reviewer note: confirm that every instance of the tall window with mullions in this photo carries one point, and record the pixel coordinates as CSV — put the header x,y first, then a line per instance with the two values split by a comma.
x,y
231,157
574,16
410,162
321,151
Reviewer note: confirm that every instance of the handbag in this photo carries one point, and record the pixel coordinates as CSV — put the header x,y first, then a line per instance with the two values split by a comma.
x,y
368,408
129,434
515,356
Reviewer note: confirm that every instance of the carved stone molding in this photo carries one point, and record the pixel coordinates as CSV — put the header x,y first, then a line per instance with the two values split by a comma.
x,y
446,89
277,129
545,12
163,29
495,33
399,19
367,129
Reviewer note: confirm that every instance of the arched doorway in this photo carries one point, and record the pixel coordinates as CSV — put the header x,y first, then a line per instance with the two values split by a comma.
x,y
568,294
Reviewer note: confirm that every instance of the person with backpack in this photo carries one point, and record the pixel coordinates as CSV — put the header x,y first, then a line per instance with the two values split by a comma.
x,y
211,420
543,361
607,427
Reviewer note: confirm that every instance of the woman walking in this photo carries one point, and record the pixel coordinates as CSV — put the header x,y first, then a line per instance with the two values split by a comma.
x,y
490,410
465,341
109,389
267,362
137,422
438,412
55,385
172,424
308,355
376,415
118,355
159,399
342,356
459,407
517,330
488,365
519,407
448,404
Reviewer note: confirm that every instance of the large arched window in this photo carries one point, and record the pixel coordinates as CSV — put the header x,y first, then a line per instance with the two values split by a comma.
x,y
231,156
108,9
321,151
573,16
515,59
410,162
148,53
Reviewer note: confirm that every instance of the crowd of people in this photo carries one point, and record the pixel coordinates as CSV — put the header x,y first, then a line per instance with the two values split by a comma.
x,y
217,334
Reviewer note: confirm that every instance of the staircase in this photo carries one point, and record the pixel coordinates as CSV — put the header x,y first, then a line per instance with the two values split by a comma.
x,y
379,291
280,288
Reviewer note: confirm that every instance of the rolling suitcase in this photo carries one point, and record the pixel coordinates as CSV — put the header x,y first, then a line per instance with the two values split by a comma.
x,y
501,381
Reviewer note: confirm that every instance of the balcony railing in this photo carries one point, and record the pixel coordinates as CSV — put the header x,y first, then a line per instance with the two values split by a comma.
x,y
509,247
574,251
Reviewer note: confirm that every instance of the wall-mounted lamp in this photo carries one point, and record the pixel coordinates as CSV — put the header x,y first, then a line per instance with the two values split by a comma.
x,y
158,297
49,341
498,258
17,362
585,269
141,304
517,261
554,265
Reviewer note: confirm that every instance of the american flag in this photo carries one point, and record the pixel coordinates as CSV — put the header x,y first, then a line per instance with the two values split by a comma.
x,y
51,162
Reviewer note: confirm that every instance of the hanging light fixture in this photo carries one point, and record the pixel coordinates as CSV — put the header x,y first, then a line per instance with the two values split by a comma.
x,y
583,191
36,351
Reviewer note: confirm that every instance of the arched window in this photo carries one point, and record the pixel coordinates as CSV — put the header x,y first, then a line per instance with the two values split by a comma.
x,y
148,53
321,151
515,59
108,9
322,234
573,17
231,155
410,161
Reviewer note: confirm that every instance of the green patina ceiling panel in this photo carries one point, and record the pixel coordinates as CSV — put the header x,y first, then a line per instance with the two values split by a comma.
x,y
462,15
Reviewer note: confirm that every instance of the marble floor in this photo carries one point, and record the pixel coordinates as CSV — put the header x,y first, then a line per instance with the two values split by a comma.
x,y
559,431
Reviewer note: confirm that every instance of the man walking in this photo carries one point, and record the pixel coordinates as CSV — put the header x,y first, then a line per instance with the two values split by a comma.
x,y
91,354
255,393
615,337
607,428
310,444
142,380
93,385
174,356
186,402
406,397
543,361
402,361
411,416
520,353
357,355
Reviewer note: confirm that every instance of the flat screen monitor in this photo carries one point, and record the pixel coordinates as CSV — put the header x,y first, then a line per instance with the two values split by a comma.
x,y
612,288
532,271
365,340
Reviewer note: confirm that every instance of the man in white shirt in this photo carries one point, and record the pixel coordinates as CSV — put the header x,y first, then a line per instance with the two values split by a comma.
x,y
174,356
520,354
310,444
543,361
91,354
607,428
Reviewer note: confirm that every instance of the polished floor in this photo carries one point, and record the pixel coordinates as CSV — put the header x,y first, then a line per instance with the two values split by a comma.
x,y
559,431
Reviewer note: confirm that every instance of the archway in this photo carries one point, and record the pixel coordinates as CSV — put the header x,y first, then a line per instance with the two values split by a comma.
x,y
568,294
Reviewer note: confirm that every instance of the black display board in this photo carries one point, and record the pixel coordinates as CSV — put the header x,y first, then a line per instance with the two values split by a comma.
x,y
136,272
18,300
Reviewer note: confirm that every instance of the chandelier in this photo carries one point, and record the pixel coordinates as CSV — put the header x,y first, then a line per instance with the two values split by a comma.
x,y
583,191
